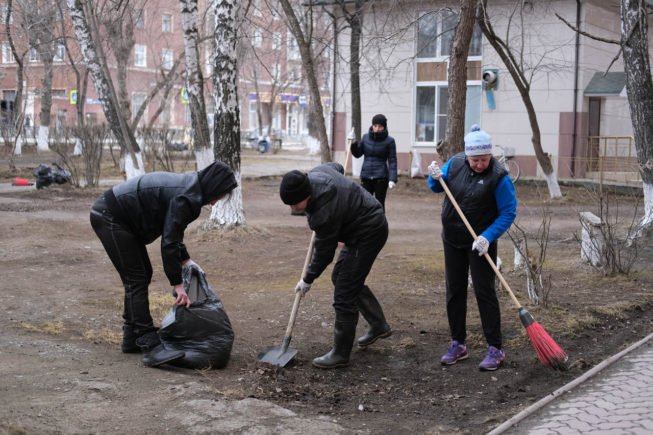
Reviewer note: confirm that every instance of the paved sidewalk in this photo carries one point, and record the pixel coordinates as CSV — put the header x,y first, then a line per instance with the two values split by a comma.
x,y
615,397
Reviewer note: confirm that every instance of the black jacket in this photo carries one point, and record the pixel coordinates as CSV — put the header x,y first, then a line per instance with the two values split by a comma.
x,y
380,153
164,204
339,210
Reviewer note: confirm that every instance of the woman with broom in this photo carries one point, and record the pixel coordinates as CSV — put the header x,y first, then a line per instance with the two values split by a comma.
x,y
486,195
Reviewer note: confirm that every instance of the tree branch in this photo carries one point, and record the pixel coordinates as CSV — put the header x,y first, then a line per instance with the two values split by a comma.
x,y
589,35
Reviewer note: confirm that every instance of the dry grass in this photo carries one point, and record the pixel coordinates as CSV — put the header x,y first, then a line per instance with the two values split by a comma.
x,y
50,328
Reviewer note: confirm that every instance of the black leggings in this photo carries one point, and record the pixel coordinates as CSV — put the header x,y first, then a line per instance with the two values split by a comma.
x,y
377,187
458,262
351,269
129,256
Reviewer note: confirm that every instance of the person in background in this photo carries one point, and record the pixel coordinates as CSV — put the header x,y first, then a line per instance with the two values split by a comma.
x,y
339,210
487,198
134,214
379,171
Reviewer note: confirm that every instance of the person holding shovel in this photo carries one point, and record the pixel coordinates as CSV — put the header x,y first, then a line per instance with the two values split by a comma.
x,y
134,214
379,171
340,210
486,196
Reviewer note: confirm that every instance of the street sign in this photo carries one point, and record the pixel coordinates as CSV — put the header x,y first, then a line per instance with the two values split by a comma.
x,y
73,96
184,95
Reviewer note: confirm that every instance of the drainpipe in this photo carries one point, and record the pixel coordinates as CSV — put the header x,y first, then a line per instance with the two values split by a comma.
x,y
576,73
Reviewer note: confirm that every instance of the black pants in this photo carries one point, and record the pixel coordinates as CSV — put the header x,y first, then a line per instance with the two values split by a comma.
x,y
351,269
377,187
458,262
129,256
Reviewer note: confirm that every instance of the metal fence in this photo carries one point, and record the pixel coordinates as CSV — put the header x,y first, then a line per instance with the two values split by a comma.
x,y
612,158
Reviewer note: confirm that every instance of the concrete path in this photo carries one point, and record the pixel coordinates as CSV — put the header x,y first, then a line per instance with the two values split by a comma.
x,y
615,397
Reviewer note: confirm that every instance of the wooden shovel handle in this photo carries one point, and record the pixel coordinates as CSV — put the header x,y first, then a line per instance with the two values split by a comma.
x,y
298,295
347,154
473,233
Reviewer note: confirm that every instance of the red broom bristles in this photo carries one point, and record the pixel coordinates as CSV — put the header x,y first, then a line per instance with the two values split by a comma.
x,y
548,351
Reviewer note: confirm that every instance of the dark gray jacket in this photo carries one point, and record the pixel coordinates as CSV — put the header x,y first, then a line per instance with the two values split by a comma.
x,y
380,153
339,210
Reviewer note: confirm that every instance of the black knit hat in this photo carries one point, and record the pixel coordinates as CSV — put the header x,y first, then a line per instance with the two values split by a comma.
x,y
380,119
216,180
294,187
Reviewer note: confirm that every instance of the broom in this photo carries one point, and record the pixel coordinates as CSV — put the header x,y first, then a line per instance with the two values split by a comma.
x,y
549,353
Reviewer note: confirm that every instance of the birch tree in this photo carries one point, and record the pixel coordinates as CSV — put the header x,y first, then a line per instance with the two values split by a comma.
x,y
304,38
639,87
86,30
226,133
195,84
513,58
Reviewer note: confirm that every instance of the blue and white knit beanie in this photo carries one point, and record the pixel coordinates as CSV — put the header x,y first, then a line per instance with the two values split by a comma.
x,y
478,142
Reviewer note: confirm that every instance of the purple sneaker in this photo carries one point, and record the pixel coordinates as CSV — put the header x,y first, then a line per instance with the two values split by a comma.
x,y
455,353
493,359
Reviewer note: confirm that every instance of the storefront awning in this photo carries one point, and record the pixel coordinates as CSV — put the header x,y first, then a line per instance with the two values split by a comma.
x,y
611,84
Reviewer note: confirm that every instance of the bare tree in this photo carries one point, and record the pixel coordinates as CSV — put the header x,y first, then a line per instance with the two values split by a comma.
x,y
39,19
639,87
230,212
195,83
82,13
304,37
457,77
513,58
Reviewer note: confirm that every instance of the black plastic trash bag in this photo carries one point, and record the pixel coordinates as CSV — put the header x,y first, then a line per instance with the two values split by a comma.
x,y
202,331
45,175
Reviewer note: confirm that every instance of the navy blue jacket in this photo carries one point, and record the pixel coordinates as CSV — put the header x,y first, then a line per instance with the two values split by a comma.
x,y
380,153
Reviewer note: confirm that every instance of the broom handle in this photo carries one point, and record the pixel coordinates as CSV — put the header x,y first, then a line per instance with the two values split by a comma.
x,y
298,295
473,233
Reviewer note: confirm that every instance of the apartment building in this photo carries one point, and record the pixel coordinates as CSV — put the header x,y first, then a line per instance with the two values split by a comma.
x,y
578,106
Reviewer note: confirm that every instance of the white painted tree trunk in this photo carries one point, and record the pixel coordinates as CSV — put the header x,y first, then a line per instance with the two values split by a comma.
x,y
130,170
43,138
18,150
203,157
77,151
228,213
552,183
226,146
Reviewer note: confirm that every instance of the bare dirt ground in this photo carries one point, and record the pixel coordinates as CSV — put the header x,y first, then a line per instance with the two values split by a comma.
x,y
61,370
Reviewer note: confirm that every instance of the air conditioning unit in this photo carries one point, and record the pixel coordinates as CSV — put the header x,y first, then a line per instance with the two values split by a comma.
x,y
490,79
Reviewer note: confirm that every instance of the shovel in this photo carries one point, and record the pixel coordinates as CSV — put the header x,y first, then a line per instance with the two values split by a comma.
x,y
282,355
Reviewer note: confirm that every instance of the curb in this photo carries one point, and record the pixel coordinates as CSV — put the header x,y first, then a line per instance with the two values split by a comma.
x,y
566,388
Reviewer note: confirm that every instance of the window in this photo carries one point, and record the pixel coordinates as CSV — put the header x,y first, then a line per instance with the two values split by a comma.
x,y
59,51
7,55
293,49
276,41
435,33
139,19
253,115
140,55
166,23
3,11
431,111
137,102
258,38
33,55
166,58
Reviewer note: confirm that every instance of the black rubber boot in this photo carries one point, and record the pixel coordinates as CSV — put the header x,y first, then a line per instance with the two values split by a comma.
x,y
344,332
160,355
371,310
130,337
148,341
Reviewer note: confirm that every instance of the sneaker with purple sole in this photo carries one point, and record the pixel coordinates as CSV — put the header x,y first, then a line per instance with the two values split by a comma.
x,y
455,353
493,359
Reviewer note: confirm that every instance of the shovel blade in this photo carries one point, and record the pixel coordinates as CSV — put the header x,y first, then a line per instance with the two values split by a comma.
x,y
275,355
